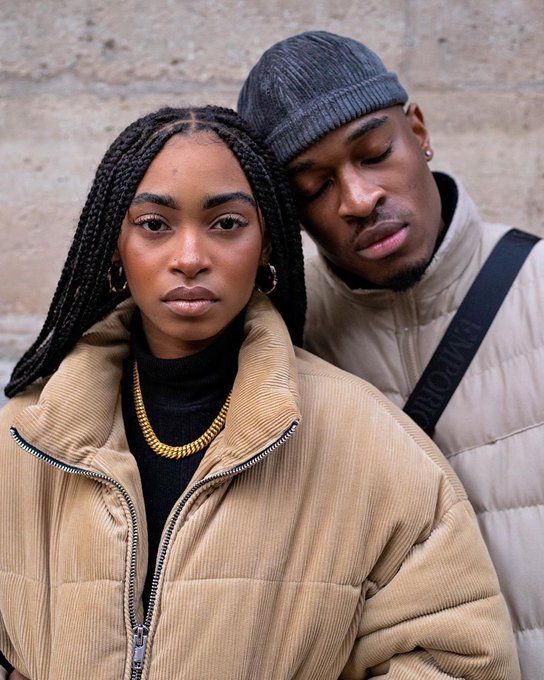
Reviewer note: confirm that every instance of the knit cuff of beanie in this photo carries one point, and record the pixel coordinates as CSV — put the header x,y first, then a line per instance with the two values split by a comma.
x,y
306,125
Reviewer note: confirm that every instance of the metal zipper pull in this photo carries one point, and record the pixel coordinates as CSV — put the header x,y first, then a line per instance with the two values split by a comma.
x,y
140,641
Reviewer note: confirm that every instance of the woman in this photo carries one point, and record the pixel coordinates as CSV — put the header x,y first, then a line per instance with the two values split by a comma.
x,y
186,495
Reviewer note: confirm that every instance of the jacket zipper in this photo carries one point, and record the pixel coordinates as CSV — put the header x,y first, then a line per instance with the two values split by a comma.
x,y
140,631
139,652
106,480
409,353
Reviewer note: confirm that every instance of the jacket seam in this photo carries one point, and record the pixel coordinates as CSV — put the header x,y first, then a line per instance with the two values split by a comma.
x,y
509,508
441,519
268,580
507,360
417,543
430,658
9,572
189,580
349,378
439,611
529,629
449,456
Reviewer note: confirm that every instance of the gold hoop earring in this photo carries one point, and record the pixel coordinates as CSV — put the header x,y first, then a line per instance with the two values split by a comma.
x,y
267,278
116,279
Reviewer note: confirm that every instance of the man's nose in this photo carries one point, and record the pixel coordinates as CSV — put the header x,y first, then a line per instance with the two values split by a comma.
x,y
190,254
359,194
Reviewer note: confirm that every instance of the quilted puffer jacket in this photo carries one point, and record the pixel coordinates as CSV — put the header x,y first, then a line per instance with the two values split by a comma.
x,y
322,536
492,431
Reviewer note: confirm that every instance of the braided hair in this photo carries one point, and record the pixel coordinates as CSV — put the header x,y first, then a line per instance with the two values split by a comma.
x,y
83,296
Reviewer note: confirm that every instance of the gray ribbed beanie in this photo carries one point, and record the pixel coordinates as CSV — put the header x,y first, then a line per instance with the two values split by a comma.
x,y
305,86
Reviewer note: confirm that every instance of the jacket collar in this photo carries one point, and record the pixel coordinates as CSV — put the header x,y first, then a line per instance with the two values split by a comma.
x,y
78,418
454,259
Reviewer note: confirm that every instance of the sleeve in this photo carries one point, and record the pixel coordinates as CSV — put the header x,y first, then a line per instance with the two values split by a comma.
x,y
5,667
441,616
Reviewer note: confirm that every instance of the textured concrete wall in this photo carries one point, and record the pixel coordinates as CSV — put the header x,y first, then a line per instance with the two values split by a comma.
x,y
75,72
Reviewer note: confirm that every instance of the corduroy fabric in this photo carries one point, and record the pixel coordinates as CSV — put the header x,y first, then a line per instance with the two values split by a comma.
x,y
493,428
307,85
349,547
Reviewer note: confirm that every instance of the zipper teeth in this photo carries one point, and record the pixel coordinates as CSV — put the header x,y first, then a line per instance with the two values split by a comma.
x,y
102,477
207,480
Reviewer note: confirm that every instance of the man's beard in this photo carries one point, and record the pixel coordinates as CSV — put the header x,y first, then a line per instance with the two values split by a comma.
x,y
406,279
398,283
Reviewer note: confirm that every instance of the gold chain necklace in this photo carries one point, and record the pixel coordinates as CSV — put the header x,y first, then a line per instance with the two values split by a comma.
x,y
165,449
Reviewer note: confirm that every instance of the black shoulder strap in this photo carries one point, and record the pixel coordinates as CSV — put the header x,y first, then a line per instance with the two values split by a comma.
x,y
467,329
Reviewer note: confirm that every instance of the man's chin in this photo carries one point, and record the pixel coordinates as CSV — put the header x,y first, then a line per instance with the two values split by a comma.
x,y
405,279
398,282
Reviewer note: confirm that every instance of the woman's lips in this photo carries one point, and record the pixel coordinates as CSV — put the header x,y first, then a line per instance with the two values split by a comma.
x,y
190,307
382,240
187,301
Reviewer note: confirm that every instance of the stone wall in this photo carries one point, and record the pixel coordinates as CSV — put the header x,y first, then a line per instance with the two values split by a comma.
x,y
75,72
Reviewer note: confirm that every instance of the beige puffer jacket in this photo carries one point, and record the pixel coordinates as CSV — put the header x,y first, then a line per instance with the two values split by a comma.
x,y
323,534
492,431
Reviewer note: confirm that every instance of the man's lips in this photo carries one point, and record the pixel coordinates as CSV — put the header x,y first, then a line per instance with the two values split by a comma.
x,y
379,231
186,293
381,240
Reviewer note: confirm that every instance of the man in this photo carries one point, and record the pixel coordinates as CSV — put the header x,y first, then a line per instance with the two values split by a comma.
x,y
399,248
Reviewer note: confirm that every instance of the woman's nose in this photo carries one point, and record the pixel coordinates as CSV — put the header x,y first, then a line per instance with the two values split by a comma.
x,y
190,254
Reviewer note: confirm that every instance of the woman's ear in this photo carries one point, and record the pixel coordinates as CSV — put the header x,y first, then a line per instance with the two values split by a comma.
x,y
267,246
266,252
116,276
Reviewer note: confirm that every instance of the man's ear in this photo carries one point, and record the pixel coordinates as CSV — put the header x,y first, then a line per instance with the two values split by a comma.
x,y
416,121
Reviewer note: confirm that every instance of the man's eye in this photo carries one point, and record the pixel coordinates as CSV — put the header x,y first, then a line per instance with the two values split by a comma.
x,y
229,223
378,159
314,195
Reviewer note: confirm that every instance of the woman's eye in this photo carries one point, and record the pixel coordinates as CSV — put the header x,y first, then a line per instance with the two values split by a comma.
x,y
152,224
229,223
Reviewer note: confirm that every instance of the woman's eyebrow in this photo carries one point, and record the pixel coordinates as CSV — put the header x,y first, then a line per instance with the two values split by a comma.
x,y
160,199
218,199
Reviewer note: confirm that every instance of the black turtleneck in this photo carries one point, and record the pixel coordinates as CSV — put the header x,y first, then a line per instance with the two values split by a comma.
x,y
182,397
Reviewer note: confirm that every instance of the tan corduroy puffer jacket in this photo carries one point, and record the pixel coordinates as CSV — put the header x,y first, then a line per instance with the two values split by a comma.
x,y
323,535
492,431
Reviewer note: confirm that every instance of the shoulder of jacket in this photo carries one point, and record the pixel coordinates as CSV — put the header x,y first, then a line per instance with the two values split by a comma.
x,y
11,410
311,364
532,270
373,417
535,261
